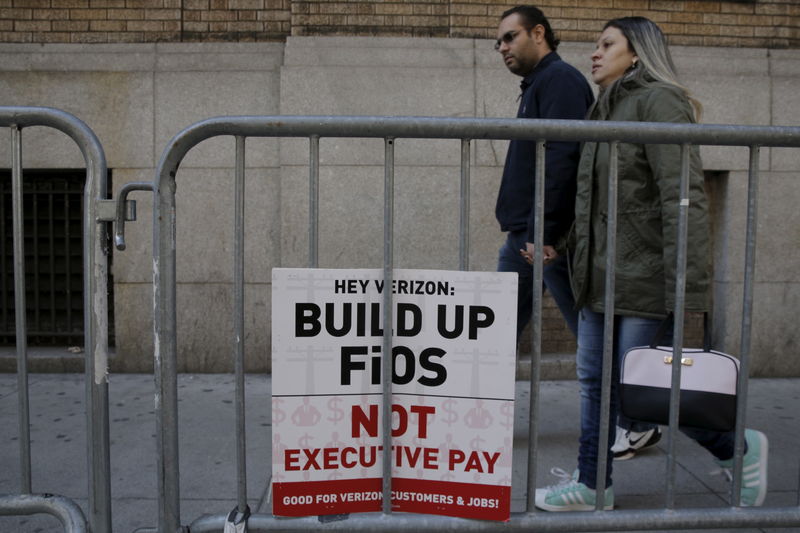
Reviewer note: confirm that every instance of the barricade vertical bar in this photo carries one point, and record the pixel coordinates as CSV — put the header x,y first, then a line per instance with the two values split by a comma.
x,y
166,379
463,249
678,313
52,256
313,201
388,265
238,355
67,253
608,327
19,302
536,322
37,293
96,335
3,272
747,321
95,319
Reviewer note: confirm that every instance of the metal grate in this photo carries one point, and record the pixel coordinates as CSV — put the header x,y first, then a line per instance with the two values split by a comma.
x,y
53,214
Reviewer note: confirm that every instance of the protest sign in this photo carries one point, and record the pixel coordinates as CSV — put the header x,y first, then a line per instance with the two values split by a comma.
x,y
453,353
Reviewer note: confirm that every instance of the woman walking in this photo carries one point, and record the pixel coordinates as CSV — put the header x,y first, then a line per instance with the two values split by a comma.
x,y
634,71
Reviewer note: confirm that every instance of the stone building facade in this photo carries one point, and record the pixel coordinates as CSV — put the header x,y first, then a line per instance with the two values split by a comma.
x,y
139,71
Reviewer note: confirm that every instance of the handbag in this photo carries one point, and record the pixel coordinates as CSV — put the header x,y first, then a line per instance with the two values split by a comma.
x,y
708,384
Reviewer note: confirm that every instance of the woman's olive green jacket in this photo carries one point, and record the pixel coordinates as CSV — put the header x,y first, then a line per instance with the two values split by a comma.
x,y
647,213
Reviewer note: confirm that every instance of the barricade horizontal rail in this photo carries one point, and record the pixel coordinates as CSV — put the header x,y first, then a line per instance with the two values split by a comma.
x,y
643,520
64,509
466,129
474,128
95,327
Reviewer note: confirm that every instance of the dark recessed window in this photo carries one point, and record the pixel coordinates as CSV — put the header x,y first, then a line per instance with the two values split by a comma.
x,y
53,236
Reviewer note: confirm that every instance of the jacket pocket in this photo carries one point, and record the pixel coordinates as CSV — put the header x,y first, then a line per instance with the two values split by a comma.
x,y
640,245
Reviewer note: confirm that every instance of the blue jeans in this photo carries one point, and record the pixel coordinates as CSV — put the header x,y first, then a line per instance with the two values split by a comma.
x,y
628,332
555,279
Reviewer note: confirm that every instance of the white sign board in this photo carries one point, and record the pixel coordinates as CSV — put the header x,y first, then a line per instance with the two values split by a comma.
x,y
453,351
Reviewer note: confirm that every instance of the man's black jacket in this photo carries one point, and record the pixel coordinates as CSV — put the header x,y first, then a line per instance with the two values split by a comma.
x,y
554,89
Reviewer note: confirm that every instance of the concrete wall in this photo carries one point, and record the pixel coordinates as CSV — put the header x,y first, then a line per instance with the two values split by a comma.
x,y
136,97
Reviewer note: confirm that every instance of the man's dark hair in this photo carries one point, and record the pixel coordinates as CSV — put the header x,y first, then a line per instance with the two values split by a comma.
x,y
530,17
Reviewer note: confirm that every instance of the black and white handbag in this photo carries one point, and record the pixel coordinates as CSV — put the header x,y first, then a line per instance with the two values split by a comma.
x,y
708,384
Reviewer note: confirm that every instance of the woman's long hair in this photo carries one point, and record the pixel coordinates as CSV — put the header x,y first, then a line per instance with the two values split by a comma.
x,y
655,65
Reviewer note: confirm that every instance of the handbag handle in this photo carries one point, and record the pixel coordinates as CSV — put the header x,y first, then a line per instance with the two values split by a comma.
x,y
667,323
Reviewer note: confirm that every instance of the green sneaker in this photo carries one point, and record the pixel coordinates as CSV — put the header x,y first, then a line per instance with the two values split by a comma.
x,y
571,495
754,469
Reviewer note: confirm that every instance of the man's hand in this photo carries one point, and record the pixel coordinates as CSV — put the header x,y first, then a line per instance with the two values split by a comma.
x,y
549,253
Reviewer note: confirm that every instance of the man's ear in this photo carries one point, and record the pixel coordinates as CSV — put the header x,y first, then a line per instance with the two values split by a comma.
x,y
538,33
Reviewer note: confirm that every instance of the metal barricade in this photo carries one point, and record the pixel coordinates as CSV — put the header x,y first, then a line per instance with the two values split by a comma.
x,y
96,209
467,130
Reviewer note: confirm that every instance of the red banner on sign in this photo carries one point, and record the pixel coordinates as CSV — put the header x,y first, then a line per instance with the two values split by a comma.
x,y
467,500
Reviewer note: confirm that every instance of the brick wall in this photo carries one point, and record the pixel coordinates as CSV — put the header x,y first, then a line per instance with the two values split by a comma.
x,y
141,21
760,23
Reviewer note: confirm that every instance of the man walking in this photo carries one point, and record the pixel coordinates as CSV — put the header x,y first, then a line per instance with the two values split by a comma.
x,y
551,89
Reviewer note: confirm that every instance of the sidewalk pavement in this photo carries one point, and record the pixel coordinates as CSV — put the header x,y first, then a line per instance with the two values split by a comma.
x,y
207,456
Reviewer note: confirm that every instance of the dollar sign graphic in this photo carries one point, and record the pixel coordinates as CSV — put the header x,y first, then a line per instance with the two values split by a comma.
x,y
337,412
450,414
507,411
278,415
304,441
476,443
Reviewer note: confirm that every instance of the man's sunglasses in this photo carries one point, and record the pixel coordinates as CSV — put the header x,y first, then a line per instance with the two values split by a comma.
x,y
507,38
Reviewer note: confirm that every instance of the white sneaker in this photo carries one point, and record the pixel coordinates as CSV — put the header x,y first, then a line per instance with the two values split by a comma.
x,y
570,495
629,442
754,469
